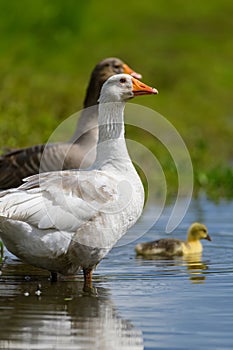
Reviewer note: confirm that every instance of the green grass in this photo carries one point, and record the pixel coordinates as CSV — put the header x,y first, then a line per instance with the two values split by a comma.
x,y
48,49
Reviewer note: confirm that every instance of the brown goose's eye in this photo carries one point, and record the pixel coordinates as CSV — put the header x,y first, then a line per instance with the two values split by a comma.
x,y
117,66
122,80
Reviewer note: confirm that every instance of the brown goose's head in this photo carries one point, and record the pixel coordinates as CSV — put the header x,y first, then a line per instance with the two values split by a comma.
x,y
102,71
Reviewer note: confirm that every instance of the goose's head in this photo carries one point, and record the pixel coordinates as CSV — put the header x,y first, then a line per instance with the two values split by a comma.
x,y
113,65
102,71
198,231
122,87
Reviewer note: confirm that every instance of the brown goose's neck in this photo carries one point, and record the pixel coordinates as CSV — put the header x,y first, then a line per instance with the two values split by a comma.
x,y
87,123
94,87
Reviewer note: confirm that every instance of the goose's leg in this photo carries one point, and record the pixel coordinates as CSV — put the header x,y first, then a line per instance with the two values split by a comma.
x,y
53,277
87,279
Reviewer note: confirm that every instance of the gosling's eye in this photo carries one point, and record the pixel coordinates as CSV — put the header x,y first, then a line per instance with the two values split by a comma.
x,y
204,230
122,80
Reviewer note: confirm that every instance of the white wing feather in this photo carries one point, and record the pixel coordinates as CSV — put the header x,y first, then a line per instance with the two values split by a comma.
x,y
60,200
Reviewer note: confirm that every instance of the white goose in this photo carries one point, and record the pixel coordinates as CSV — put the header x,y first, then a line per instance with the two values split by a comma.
x,y
64,221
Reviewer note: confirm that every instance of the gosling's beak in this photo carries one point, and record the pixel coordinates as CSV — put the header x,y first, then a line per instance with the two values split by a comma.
x,y
128,70
208,238
140,88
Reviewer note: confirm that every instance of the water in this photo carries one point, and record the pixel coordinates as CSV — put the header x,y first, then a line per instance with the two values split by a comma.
x,y
140,303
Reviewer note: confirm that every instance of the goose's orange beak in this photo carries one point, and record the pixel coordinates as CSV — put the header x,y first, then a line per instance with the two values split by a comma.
x,y
140,88
128,70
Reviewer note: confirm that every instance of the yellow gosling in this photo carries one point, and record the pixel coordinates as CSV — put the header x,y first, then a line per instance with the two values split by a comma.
x,y
173,247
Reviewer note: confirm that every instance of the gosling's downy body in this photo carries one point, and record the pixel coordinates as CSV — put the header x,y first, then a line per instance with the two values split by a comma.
x,y
175,247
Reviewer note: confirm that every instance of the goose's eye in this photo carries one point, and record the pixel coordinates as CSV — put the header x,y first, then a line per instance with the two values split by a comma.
x,y
122,80
117,66
204,230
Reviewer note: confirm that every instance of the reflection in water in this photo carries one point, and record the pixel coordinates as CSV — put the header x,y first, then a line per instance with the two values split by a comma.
x,y
193,262
61,317
195,267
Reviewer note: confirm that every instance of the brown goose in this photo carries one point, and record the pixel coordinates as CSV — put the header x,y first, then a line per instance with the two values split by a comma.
x,y
21,163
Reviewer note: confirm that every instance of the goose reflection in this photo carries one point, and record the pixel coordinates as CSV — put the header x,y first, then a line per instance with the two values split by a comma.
x,y
174,265
195,267
59,318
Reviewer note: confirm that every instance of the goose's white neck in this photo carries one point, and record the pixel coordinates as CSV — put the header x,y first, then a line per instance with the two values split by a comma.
x,y
111,121
111,143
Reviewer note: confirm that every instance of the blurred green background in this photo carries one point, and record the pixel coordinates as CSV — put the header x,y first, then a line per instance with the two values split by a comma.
x,y
183,48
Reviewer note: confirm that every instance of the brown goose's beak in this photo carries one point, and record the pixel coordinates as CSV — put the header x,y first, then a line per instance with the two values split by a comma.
x,y
140,88
128,70
208,238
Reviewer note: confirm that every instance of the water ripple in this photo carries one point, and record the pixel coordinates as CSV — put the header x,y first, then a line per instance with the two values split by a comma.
x,y
141,303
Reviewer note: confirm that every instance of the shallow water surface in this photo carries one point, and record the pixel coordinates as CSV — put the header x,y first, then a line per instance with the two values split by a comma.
x,y
140,303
